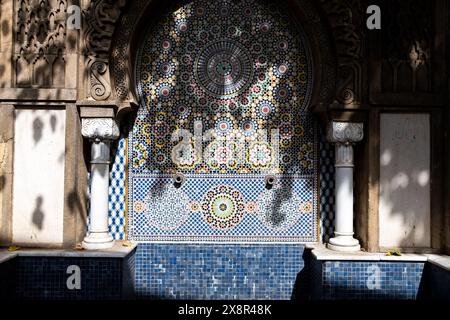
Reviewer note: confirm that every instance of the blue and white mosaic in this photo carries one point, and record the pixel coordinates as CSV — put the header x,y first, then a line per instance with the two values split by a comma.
x,y
245,210
117,191
225,89
326,181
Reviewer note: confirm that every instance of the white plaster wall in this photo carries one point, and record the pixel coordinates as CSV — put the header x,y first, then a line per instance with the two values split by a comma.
x,y
38,182
404,206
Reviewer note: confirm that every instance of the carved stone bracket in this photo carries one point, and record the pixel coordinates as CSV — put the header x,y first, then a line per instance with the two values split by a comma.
x,y
100,128
100,21
345,20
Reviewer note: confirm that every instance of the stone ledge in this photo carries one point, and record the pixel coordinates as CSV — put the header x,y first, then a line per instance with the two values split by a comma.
x,y
34,94
118,251
442,261
322,253
6,256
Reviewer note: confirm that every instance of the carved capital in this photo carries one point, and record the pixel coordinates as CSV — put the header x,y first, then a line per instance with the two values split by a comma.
x,y
100,128
345,132
343,155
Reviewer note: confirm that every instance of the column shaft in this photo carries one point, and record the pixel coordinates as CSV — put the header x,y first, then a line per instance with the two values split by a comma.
x,y
344,201
344,135
100,131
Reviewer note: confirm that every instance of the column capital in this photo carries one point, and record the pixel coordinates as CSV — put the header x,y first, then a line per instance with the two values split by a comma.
x,y
100,128
345,132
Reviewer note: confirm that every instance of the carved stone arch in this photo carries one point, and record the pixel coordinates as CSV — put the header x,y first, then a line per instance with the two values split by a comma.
x,y
304,12
331,27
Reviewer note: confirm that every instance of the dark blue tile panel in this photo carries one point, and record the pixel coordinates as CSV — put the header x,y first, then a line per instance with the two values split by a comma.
x,y
7,279
213,271
46,277
437,282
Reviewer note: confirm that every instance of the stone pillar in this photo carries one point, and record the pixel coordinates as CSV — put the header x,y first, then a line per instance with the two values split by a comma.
x,y
344,135
100,131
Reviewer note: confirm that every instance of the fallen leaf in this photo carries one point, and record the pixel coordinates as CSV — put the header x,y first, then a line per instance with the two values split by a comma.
x,y
127,244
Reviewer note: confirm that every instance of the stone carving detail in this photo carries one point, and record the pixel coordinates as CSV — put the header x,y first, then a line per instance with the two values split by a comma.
x,y
100,88
100,128
39,47
406,47
345,24
99,20
345,132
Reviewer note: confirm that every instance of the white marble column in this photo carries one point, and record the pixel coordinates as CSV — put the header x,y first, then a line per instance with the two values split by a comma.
x,y
100,131
344,135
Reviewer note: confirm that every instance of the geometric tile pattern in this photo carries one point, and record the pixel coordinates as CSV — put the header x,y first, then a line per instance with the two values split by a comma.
x,y
326,180
116,206
240,74
163,212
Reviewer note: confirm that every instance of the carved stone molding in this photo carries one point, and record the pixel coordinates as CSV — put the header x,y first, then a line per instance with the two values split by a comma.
x,y
345,21
100,19
345,132
100,128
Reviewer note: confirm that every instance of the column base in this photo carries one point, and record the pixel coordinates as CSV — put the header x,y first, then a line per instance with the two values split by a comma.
x,y
97,241
344,243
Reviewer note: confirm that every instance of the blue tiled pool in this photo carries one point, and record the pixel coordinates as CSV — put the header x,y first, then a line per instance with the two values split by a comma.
x,y
211,272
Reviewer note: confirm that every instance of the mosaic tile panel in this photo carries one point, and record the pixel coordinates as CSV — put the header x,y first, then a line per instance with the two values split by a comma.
x,y
326,151
338,280
116,197
225,89
217,271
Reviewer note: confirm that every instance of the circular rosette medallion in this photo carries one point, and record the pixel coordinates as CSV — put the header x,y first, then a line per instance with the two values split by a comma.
x,y
224,68
279,208
223,207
